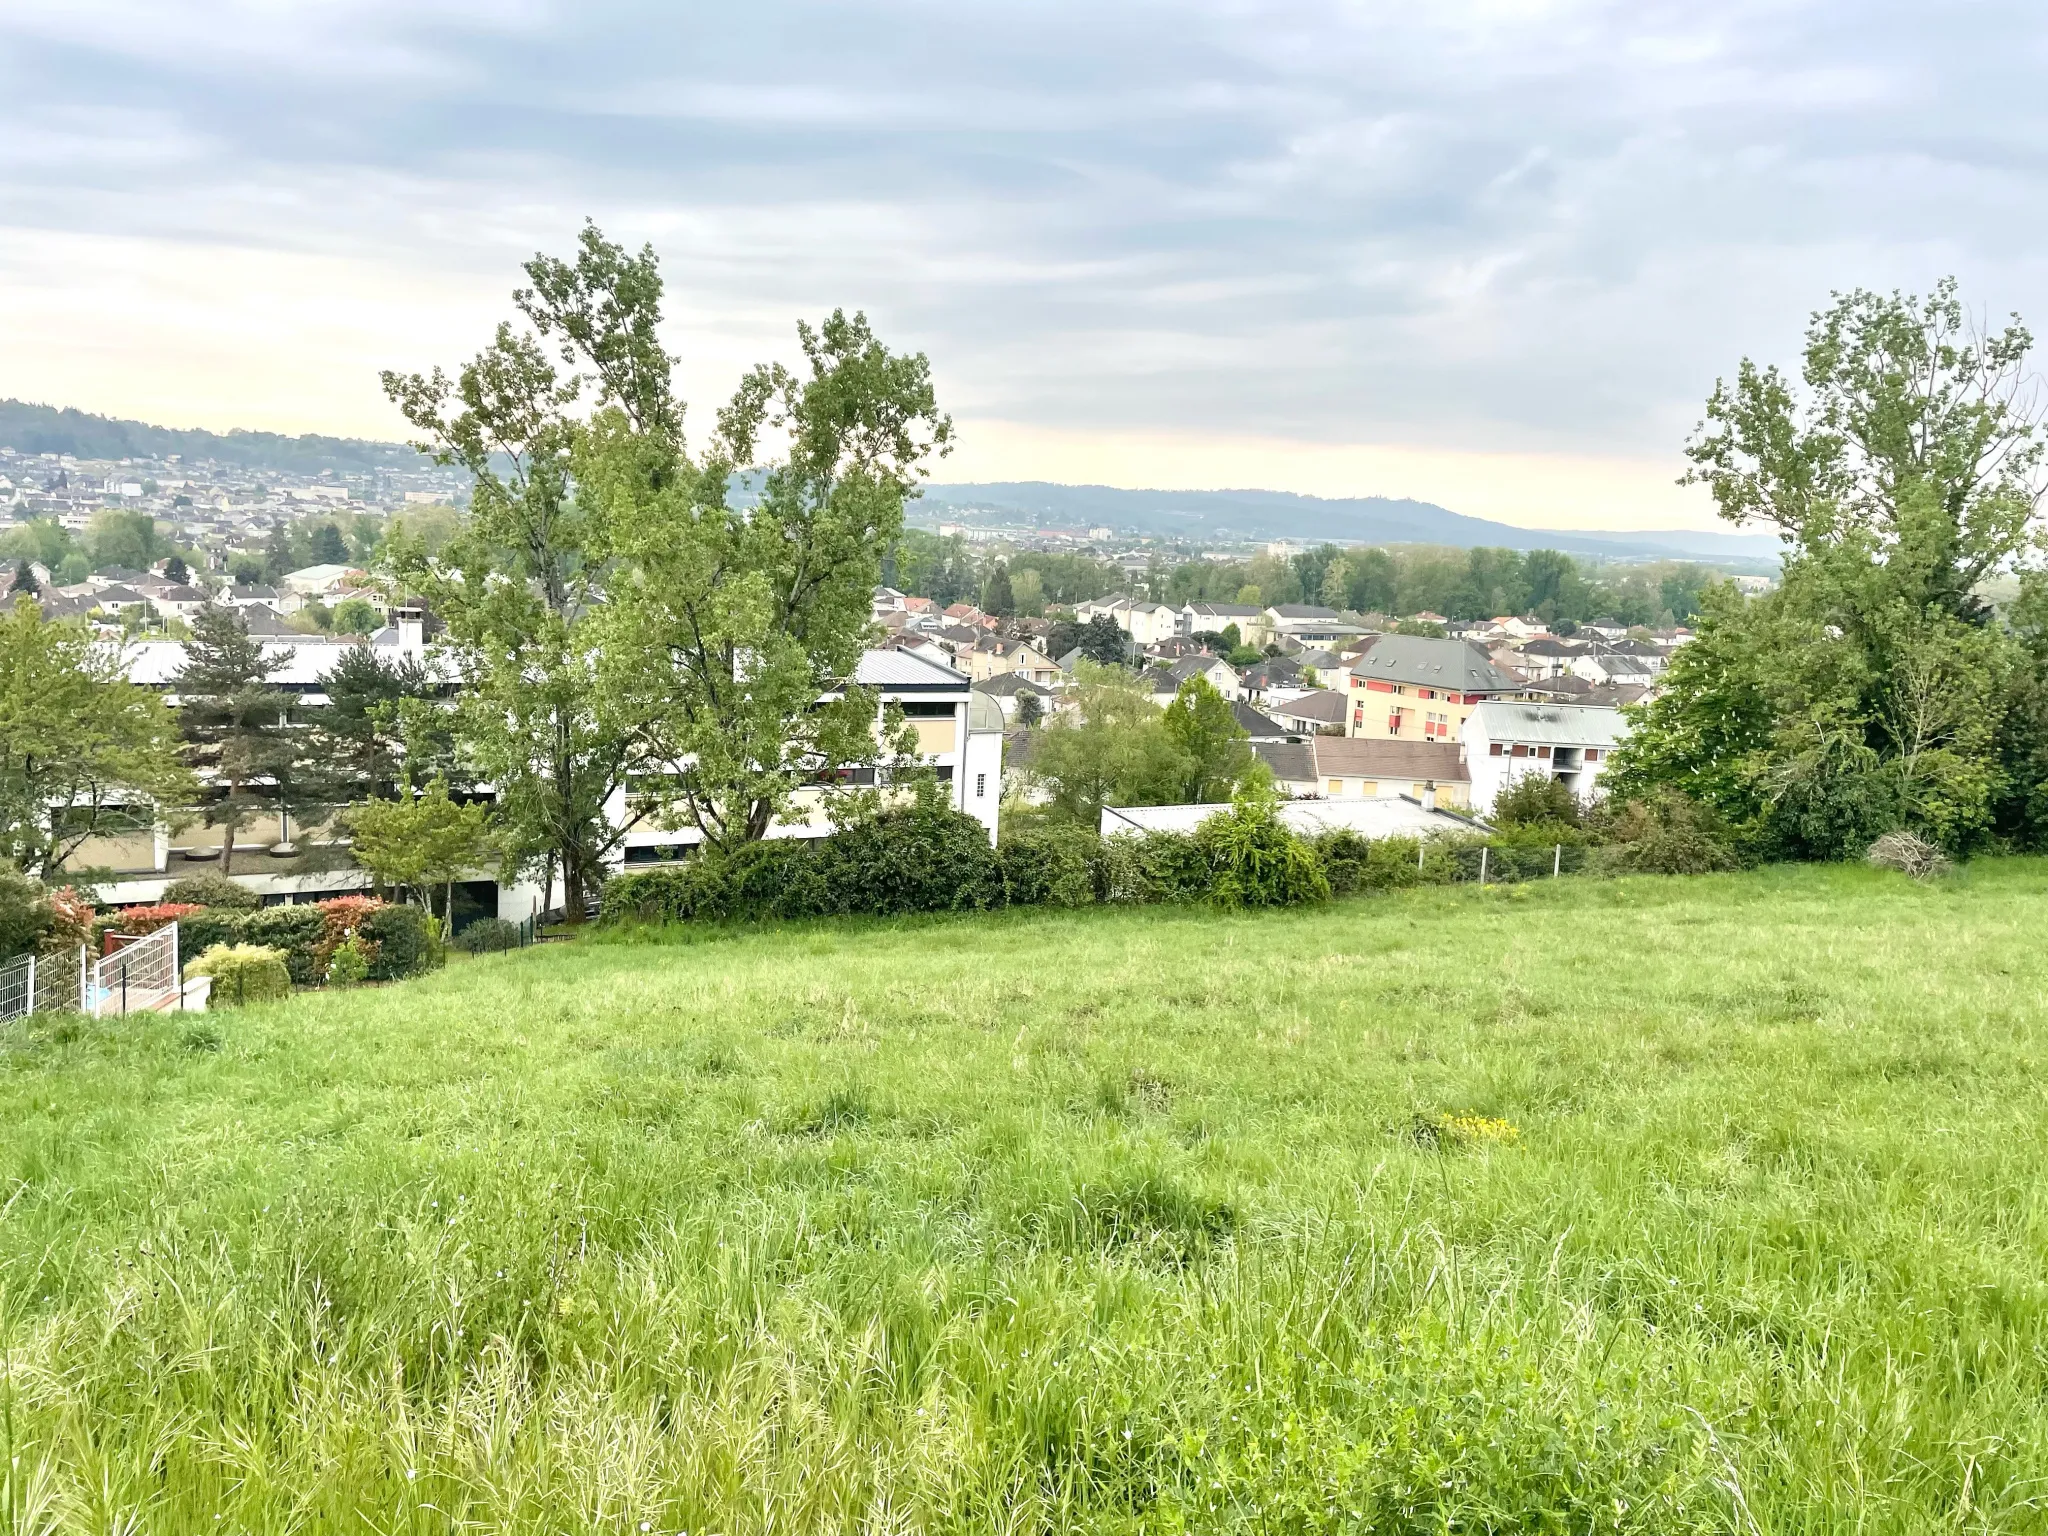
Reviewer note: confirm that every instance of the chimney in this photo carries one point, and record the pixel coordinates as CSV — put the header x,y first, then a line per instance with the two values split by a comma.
x,y
412,631
1429,795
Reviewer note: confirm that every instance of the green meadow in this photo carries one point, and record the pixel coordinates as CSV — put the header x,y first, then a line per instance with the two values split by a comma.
x,y
1647,1205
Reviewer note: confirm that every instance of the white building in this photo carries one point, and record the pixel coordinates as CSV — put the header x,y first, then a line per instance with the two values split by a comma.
x,y
1505,741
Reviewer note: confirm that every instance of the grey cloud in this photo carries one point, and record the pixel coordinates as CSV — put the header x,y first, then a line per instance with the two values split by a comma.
x,y
1478,225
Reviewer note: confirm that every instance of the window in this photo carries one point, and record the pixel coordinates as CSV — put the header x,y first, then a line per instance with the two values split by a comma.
x,y
1592,754
1543,751
1336,787
980,785
1520,750
918,709
1494,750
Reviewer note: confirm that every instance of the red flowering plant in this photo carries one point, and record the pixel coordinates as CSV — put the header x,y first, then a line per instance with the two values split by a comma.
x,y
345,916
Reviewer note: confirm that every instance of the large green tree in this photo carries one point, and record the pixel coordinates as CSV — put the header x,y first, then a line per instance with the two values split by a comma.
x,y
1874,688
1215,747
82,750
1109,746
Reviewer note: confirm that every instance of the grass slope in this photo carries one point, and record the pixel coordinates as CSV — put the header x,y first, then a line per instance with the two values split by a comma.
x,y
1105,1220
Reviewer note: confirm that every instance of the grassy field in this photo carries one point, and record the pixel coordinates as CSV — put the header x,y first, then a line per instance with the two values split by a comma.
x,y
1110,1220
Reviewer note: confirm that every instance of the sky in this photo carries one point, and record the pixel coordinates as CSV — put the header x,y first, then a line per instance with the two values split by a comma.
x,y
1488,253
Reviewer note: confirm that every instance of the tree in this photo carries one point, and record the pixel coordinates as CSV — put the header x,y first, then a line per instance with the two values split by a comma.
x,y
1028,588
415,842
25,584
1873,689
1203,726
126,539
1029,710
81,748
1102,642
175,569
355,616
235,724
1109,747
733,634
381,714
997,598
328,547
246,571
280,556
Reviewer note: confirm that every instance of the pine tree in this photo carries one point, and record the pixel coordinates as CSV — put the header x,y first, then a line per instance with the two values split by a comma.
x,y
177,570
998,598
328,547
237,726
25,581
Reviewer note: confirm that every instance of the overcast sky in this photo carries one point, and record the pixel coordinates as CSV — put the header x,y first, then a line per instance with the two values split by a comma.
x,y
1491,254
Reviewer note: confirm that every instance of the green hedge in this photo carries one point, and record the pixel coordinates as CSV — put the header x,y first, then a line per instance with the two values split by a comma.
x,y
487,936
405,940
201,931
294,932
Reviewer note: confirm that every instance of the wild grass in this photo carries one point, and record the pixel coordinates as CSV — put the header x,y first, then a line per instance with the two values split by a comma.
x,y
1645,1205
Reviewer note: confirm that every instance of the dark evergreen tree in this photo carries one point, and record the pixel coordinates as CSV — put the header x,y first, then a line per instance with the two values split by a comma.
x,y
177,570
996,597
328,547
25,581
1102,641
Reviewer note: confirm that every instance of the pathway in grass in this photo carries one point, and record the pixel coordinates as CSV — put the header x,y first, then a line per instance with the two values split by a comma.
x,y
1643,1205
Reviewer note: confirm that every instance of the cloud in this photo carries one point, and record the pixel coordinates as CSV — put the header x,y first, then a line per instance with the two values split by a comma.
x,y
1346,234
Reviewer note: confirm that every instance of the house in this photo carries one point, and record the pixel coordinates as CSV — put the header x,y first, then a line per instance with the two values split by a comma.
x,y
320,580
1274,674
1259,726
1214,618
1147,623
179,602
1304,624
1011,687
1426,617
1413,688
1310,713
1543,657
1604,668
990,656
1505,740
1352,768
281,600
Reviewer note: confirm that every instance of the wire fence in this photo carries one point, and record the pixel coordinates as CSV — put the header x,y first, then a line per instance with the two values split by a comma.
x,y
33,984
141,976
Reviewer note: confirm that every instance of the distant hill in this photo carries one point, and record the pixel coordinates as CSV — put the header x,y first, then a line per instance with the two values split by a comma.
x,y
1285,515
47,429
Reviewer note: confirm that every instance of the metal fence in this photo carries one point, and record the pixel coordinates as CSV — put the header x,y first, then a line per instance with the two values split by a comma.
x,y
33,984
139,977
1492,864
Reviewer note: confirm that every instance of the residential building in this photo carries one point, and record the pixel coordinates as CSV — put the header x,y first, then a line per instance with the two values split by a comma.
x,y
1507,740
1324,709
1258,725
1412,688
1304,624
1355,768
1292,765
1011,687
319,580
1214,618
991,656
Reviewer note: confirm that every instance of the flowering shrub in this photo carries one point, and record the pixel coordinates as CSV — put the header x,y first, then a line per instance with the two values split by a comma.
x,y
141,920
343,919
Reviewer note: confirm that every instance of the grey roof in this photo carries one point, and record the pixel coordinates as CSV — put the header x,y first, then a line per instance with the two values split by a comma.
x,y
1421,661
1565,725
1550,645
1198,666
1009,684
1224,610
904,669
1306,611
1274,669
1291,762
1260,726
1325,706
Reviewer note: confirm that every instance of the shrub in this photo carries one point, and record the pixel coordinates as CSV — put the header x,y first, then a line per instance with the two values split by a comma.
x,y
1670,834
295,932
349,963
1256,861
1049,866
242,973
1536,800
26,916
210,926
74,914
403,942
140,920
342,919
488,936
1909,854
213,890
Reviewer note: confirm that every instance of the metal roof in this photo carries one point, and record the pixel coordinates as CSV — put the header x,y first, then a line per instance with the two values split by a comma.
x,y
904,669
1558,725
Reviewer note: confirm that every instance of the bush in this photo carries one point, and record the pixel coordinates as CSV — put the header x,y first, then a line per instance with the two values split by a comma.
x,y
342,919
1256,861
1670,834
242,973
26,917
141,920
403,940
1536,800
1909,854
1049,866
349,964
294,932
923,858
210,926
487,936
213,890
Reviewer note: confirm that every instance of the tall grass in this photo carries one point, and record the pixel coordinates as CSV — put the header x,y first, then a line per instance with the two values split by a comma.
x,y
1105,1220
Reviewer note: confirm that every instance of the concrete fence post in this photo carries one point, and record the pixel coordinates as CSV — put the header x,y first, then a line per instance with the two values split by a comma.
x,y
1483,852
1557,861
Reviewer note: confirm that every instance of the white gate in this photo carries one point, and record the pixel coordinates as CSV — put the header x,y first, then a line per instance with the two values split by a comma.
x,y
139,977
32,984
